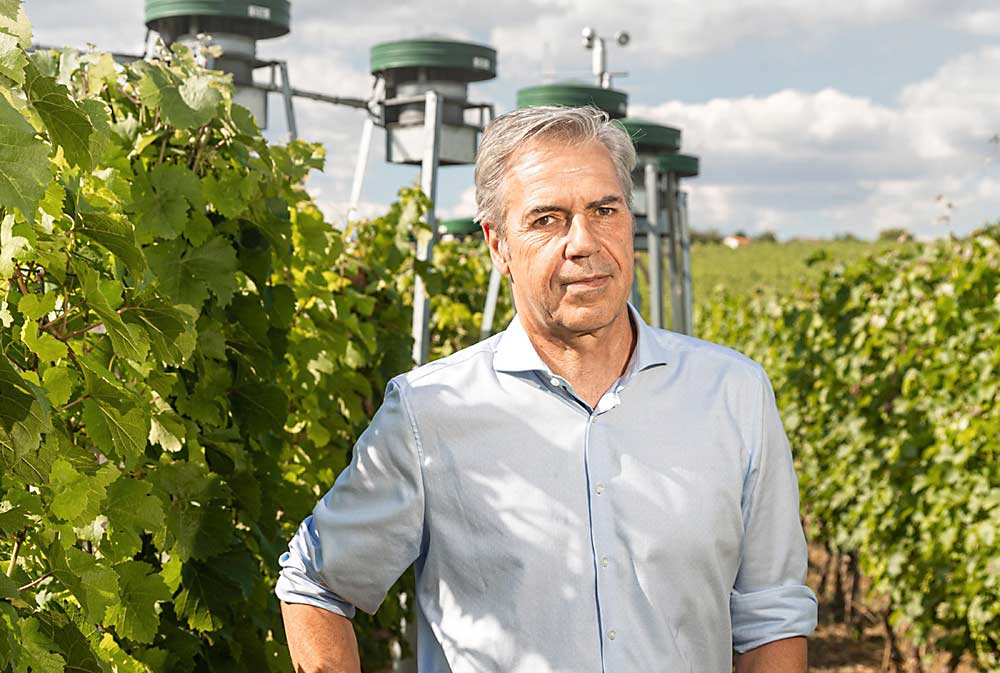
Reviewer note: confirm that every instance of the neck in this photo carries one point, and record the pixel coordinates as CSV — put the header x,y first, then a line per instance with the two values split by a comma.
x,y
590,361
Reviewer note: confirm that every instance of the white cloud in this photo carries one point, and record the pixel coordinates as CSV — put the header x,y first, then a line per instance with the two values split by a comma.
x,y
980,22
684,29
464,207
881,166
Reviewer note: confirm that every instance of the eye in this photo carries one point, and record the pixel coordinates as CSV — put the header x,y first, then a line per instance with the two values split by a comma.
x,y
605,211
543,221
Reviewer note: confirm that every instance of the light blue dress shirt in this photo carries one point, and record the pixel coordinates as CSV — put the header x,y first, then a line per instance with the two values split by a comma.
x,y
656,532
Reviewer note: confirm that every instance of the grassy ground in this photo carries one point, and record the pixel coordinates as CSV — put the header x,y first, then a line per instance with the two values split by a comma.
x,y
760,265
779,265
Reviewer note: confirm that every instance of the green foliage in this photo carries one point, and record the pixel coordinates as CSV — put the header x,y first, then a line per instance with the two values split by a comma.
x,y
458,281
887,375
187,354
895,234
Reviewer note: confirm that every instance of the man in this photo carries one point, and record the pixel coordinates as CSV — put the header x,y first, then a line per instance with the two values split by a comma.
x,y
579,493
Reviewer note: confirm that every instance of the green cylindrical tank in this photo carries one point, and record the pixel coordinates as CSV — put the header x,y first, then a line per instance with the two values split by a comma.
x,y
257,19
575,94
683,165
410,68
462,226
650,137
448,59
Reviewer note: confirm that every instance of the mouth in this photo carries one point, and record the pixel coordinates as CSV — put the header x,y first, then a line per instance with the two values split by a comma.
x,y
587,282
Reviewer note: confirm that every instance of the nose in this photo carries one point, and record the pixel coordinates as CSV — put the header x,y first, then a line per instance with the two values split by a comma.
x,y
581,240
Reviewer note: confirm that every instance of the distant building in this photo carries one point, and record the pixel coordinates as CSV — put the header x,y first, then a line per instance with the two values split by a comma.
x,y
735,241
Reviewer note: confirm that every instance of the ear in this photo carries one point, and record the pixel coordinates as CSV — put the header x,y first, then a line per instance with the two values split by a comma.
x,y
498,248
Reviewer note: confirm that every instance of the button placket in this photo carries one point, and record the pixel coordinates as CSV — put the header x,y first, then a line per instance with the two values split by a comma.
x,y
600,468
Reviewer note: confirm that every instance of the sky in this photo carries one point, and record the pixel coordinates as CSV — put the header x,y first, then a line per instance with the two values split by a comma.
x,y
810,119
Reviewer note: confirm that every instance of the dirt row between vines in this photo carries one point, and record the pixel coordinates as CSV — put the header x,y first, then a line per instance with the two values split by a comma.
x,y
837,648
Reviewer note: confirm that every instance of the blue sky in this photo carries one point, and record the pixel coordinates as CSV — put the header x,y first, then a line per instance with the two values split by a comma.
x,y
810,118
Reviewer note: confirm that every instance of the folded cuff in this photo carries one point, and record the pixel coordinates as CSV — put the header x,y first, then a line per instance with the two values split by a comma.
x,y
761,617
294,586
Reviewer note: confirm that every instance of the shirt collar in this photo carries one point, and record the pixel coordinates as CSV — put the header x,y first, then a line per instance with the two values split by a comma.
x,y
515,352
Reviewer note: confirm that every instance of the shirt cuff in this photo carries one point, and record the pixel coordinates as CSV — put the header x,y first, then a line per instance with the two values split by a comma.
x,y
296,584
764,616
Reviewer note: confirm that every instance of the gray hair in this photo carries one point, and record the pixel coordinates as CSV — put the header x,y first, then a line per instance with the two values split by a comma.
x,y
510,132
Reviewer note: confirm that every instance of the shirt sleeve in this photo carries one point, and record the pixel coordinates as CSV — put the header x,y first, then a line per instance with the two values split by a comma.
x,y
368,528
770,600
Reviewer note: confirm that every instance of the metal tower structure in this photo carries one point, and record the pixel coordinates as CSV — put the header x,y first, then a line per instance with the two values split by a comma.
x,y
421,100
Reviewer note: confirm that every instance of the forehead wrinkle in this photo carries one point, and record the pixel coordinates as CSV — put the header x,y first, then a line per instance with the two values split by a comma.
x,y
559,187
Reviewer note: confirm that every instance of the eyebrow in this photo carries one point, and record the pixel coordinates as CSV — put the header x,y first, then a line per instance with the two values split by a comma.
x,y
603,201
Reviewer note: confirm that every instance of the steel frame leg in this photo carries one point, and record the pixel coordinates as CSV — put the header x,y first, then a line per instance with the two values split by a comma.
x,y
425,239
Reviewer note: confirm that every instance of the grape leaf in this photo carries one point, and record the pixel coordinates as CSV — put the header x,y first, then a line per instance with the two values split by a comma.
x,y
64,633
100,71
8,587
12,58
69,127
166,427
131,510
198,525
199,601
14,20
129,341
11,245
36,650
229,192
35,306
21,447
24,166
41,343
185,104
161,201
116,234
8,8
13,520
135,616
187,274
77,497
10,636
117,430
260,407
95,585
58,383
208,590
100,118
170,328
15,395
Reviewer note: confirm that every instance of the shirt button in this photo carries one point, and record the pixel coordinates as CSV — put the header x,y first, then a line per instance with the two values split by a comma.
x,y
604,563
611,634
599,488
554,381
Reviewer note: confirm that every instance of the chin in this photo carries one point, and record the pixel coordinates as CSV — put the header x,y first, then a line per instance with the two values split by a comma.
x,y
588,318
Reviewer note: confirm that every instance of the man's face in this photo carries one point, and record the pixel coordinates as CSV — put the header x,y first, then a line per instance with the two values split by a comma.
x,y
568,237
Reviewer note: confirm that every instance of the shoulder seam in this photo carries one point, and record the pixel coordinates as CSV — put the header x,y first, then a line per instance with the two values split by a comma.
x,y
431,368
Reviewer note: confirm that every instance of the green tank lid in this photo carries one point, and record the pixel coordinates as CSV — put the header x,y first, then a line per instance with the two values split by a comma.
x,y
684,165
575,94
650,137
259,19
466,61
461,226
